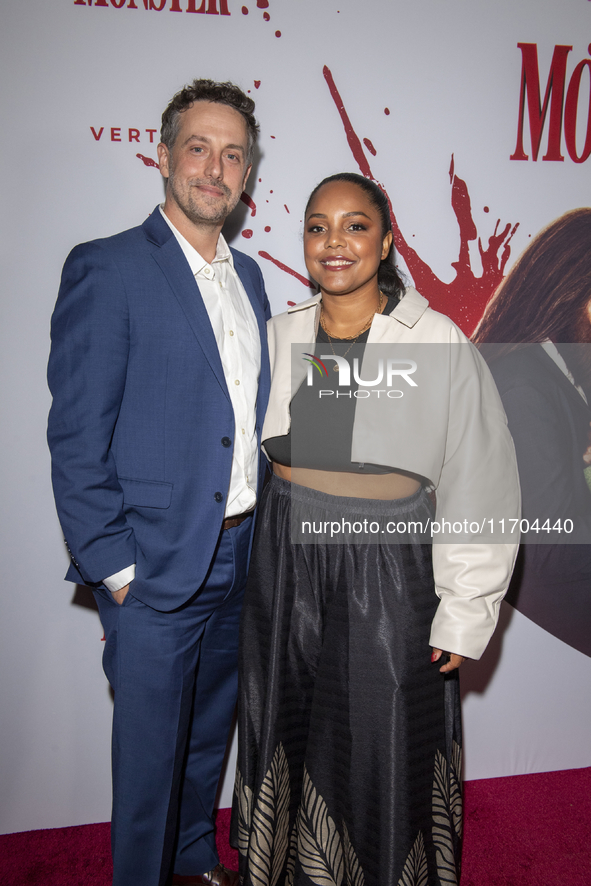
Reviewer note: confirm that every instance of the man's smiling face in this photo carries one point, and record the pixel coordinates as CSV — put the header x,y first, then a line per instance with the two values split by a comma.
x,y
206,169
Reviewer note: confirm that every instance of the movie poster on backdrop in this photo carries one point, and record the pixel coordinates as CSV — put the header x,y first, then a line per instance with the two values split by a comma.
x,y
474,118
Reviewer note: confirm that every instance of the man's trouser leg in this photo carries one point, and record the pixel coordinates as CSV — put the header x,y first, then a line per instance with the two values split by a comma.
x,y
163,668
216,677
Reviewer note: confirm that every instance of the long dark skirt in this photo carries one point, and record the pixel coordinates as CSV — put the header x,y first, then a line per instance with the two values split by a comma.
x,y
349,737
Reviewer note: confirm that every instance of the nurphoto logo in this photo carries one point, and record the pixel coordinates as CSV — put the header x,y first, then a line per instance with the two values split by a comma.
x,y
390,371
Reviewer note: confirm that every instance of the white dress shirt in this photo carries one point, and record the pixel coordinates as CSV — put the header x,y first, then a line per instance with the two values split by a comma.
x,y
235,328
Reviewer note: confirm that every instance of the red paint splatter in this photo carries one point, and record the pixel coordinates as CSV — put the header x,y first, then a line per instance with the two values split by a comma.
x,y
287,269
263,4
267,228
247,233
260,179
466,296
387,112
147,161
278,33
271,191
486,209
291,304
352,136
285,207
272,136
266,16
244,10
246,198
460,203
257,83
104,638
369,146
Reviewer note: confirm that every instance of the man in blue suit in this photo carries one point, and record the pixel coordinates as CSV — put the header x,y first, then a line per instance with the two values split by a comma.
x,y
159,374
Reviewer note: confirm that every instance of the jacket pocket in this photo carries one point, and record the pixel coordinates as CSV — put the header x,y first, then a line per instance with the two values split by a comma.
x,y
146,493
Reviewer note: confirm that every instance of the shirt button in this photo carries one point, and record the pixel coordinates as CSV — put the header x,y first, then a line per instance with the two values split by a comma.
x,y
207,270
231,332
218,496
226,441
243,431
237,382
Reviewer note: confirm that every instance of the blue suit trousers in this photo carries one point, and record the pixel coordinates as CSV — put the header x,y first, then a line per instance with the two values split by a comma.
x,y
174,677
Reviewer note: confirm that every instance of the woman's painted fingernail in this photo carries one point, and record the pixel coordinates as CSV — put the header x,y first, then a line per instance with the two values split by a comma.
x,y
433,656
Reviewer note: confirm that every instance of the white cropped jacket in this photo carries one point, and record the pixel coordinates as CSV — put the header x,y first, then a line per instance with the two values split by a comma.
x,y
458,439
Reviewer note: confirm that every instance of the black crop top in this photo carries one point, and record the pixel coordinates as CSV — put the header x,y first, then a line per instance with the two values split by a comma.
x,y
321,430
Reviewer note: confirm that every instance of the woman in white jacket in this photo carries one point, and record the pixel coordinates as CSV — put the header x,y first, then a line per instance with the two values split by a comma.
x,y
349,724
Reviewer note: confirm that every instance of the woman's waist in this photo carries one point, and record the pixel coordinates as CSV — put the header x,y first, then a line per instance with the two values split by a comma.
x,y
351,504
391,486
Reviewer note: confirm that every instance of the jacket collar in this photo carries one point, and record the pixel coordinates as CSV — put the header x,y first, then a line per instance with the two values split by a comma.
x,y
408,311
561,380
245,270
175,267
309,303
156,229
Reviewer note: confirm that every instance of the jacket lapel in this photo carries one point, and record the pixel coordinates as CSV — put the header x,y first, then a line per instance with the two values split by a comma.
x,y
254,297
169,256
563,382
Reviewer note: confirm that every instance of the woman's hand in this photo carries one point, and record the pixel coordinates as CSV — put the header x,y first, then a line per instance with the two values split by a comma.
x,y
454,660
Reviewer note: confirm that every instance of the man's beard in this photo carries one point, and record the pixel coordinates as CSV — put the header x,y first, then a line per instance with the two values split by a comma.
x,y
200,213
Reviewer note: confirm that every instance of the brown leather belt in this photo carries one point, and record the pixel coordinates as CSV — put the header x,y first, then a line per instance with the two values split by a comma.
x,y
231,522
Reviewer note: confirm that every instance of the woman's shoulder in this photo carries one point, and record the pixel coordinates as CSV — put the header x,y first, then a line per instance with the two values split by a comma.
x,y
296,317
415,312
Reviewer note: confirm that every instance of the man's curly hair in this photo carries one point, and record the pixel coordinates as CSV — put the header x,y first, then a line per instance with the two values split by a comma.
x,y
209,91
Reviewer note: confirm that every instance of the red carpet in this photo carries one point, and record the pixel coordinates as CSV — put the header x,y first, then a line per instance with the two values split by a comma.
x,y
530,830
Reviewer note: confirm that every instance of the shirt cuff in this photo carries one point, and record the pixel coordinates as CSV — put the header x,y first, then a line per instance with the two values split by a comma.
x,y
117,581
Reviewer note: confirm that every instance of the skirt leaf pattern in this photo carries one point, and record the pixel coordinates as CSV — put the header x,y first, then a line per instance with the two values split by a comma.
x,y
349,739
447,815
353,872
269,836
415,872
291,858
320,850
243,804
456,798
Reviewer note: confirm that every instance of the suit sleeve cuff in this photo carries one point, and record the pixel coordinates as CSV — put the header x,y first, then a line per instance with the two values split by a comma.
x,y
120,579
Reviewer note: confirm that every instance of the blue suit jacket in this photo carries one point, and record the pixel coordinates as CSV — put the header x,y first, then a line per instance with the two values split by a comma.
x,y
140,409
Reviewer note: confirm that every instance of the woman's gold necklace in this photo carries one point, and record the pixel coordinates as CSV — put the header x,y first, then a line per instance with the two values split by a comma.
x,y
351,338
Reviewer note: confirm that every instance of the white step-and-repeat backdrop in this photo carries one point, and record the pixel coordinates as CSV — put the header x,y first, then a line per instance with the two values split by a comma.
x,y
475,117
